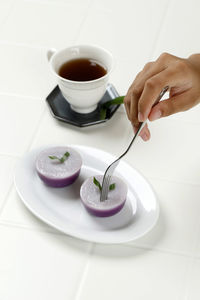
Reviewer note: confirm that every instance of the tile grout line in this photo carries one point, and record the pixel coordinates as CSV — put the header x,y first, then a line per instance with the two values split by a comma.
x,y
173,181
196,242
83,21
36,129
157,249
87,266
6,198
9,155
20,95
188,276
190,268
49,3
173,118
167,6
196,123
84,274
19,226
6,223
119,111
20,44
8,13
34,134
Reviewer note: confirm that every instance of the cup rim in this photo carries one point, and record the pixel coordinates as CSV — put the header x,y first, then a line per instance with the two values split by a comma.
x,y
82,82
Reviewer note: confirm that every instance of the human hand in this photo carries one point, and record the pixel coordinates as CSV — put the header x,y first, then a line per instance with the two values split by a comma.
x,y
183,78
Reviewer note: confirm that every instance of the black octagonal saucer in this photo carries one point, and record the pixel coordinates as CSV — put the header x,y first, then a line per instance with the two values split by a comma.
x,y
62,111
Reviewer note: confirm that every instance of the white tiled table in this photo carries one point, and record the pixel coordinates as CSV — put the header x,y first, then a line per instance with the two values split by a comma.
x,y
38,262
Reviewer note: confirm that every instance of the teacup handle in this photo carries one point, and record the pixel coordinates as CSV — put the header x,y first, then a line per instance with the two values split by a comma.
x,y
50,52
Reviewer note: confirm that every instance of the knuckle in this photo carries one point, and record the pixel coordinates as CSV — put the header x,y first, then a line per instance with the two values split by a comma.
x,y
147,66
182,66
171,71
154,83
138,75
164,56
136,90
150,83
134,82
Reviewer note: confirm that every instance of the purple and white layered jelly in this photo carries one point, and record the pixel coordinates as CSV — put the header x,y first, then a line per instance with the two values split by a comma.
x,y
90,196
53,172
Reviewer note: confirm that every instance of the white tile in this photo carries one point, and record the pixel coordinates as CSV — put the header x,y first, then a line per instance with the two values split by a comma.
x,y
193,288
40,24
172,152
67,2
177,229
117,272
6,176
127,6
110,136
25,71
5,7
38,265
127,28
179,32
197,246
18,122
124,72
14,212
191,116
121,109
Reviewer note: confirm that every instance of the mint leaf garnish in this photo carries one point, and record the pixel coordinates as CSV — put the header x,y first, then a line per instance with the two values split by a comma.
x,y
62,159
103,113
97,183
106,105
65,156
118,100
112,187
53,157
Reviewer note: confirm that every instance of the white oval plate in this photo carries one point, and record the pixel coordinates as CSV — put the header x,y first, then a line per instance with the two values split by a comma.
x,y
62,209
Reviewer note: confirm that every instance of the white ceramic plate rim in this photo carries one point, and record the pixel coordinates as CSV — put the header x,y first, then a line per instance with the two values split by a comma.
x,y
106,237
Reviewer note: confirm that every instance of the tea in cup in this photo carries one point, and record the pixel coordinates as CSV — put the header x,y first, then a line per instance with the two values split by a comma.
x,y
82,74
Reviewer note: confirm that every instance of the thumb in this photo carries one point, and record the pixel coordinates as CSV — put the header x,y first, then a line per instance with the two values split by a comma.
x,y
171,106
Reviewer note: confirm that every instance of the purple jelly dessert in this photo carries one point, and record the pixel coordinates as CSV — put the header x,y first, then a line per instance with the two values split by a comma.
x,y
58,166
90,196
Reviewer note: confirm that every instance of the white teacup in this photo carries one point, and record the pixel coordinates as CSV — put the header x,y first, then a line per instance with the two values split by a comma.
x,y
83,96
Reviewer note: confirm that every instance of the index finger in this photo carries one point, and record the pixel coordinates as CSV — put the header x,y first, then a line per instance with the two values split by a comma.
x,y
152,89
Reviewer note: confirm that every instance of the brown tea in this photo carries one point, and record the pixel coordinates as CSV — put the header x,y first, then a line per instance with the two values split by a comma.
x,y
82,69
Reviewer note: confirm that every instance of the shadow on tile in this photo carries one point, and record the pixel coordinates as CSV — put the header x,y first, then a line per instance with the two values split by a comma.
x,y
147,243
154,237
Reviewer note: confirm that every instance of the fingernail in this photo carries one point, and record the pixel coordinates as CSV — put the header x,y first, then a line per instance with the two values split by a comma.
x,y
156,115
140,117
144,137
